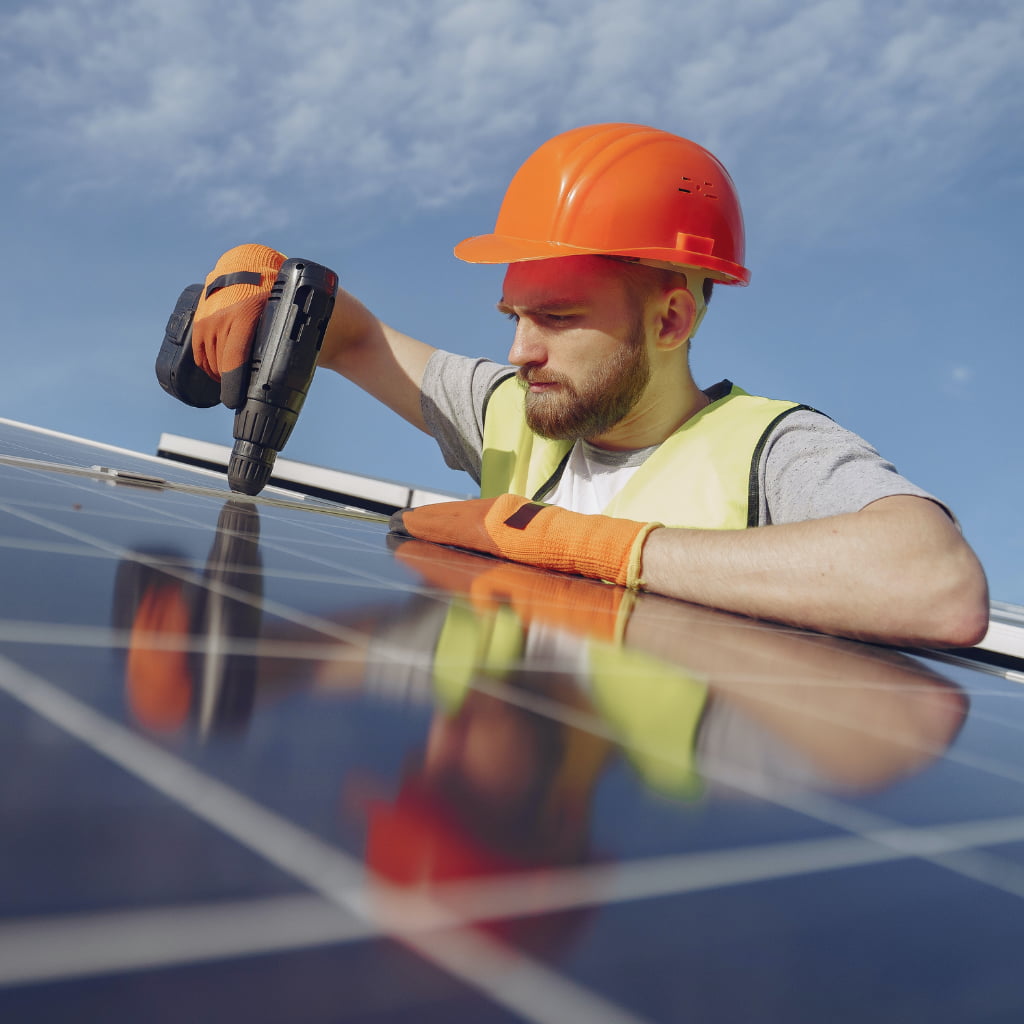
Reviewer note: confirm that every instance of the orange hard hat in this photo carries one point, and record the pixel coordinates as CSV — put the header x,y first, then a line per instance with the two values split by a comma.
x,y
619,190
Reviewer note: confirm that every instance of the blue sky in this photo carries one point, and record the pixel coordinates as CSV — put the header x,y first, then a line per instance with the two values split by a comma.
x,y
877,149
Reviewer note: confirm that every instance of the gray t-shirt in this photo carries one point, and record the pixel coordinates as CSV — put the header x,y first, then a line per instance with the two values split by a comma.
x,y
810,467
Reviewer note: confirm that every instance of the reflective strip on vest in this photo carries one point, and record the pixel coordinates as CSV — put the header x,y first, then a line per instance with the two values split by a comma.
x,y
703,476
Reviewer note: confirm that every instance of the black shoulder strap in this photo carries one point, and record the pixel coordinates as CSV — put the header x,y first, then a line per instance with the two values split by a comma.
x,y
753,485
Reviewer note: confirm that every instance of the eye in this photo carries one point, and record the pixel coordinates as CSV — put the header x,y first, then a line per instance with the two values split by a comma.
x,y
514,317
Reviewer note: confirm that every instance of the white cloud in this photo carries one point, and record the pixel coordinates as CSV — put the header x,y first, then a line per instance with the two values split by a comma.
x,y
424,101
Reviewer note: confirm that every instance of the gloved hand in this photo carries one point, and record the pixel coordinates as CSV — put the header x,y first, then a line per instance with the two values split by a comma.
x,y
229,308
521,530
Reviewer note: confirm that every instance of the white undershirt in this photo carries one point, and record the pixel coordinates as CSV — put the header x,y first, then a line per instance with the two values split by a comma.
x,y
593,476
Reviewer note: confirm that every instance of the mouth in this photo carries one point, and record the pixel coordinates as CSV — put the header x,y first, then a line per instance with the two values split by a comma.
x,y
538,385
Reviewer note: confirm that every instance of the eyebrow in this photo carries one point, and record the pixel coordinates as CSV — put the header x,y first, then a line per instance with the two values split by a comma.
x,y
542,307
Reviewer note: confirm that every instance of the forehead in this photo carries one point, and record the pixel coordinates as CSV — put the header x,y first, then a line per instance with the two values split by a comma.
x,y
569,278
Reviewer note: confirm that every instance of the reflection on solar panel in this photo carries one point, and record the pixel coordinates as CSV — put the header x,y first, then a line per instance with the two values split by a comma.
x,y
260,764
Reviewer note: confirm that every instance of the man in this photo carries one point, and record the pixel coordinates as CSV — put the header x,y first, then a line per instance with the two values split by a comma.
x,y
613,236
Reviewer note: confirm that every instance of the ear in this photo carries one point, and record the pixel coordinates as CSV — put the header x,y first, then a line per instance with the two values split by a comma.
x,y
677,312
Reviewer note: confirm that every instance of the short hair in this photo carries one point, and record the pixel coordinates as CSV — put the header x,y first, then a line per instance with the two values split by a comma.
x,y
642,281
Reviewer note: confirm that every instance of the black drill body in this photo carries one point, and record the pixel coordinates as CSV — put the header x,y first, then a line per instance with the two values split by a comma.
x,y
284,354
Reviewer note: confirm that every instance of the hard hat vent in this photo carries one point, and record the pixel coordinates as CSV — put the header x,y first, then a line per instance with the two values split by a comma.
x,y
693,187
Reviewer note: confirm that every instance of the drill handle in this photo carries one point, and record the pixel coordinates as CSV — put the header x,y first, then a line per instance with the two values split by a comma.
x,y
285,348
284,356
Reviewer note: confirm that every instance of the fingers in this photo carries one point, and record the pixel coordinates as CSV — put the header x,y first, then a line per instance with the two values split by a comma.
x,y
229,308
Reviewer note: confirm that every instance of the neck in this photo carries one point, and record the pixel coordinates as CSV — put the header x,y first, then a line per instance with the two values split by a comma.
x,y
663,408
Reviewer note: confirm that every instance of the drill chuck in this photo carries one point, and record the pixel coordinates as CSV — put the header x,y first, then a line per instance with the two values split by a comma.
x,y
250,467
261,430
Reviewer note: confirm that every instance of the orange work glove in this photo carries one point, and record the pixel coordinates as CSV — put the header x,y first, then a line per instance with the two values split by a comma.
x,y
229,308
521,530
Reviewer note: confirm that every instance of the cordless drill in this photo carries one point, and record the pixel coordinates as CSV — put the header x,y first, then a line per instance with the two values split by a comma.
x,y
284,353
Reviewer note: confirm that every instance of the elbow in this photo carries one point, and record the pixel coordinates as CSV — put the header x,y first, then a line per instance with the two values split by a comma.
x,y
934,586
957,613
943,589
965,624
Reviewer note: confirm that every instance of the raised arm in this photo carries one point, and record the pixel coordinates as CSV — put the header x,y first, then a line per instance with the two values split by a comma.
x,y
385,362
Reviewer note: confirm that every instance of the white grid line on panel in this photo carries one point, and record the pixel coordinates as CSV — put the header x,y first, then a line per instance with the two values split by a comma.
x,y
80,945
501,973
341,879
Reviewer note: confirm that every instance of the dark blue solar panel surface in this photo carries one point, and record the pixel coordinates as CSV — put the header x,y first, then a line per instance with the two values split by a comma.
x,y
259,762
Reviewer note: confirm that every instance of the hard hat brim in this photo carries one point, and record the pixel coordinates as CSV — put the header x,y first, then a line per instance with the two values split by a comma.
x,y
508,249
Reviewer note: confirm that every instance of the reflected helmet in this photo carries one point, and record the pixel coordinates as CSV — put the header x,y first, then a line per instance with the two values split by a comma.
x,y
419,839
421,843
619,190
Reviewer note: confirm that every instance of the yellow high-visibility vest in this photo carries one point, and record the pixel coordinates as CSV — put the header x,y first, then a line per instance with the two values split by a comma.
x,y
703,476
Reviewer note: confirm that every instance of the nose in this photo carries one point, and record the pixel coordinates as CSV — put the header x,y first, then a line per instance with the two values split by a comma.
x,y
528,347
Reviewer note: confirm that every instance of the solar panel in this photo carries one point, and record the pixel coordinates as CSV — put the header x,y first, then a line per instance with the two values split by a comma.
x,y
261,762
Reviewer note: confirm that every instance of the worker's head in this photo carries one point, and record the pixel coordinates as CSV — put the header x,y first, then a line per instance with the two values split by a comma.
x,y
647,217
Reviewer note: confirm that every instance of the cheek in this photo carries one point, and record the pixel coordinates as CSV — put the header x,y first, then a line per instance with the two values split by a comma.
x,y
584,353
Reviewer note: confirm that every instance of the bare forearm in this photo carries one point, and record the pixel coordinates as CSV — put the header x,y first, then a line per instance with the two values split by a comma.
x,y
897,572
381,360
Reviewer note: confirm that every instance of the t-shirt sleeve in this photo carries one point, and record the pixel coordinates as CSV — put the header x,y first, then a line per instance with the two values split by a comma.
x,y
812,467
453,396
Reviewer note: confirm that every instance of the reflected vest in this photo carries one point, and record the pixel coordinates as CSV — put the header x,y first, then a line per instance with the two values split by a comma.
x,y
703,476
652,709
